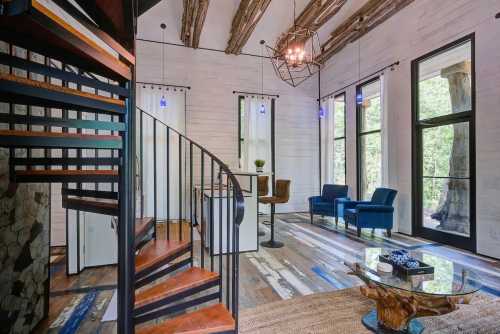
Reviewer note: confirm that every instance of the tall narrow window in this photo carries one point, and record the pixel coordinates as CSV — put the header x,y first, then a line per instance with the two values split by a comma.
x,y
339,160
256,133
369,129
443,113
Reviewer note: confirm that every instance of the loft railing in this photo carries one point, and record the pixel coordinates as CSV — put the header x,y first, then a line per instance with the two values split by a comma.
x,y
199,173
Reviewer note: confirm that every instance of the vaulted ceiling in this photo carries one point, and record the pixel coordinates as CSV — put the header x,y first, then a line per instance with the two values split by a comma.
x,y
237,26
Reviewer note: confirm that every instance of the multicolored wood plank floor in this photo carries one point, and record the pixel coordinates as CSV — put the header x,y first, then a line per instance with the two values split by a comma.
x,y
312,261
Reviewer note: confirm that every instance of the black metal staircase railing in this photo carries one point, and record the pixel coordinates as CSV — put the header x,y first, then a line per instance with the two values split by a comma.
x,y
200,176
85,138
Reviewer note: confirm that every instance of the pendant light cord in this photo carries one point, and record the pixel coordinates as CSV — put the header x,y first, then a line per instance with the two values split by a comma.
x,y
294,21
262,72
163,27
359,59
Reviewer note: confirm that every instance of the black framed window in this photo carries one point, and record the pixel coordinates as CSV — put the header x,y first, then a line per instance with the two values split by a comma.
x,y
339,140
369,137
443,92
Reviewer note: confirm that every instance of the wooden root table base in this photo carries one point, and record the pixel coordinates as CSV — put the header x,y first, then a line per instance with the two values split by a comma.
x,y
396,308
370,320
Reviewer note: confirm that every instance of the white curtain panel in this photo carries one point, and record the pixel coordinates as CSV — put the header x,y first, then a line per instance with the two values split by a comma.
x,y
257,127
327,135
174,115
384,84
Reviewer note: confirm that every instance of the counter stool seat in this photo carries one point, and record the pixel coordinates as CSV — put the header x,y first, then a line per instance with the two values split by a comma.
x,y
281,196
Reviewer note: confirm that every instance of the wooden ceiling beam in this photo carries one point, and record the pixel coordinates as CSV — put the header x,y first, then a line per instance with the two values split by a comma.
x,y
313,17
244,22
193,19
372,14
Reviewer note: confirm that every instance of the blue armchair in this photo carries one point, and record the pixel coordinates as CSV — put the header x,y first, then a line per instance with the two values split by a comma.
x,y
325,205
377,213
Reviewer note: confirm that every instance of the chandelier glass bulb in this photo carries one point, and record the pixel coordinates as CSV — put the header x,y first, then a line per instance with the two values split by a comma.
x,y
295,56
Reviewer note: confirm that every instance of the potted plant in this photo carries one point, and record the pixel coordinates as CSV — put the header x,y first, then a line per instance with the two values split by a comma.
x,y
259,165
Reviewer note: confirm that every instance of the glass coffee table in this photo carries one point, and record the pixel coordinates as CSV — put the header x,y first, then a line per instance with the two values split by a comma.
x,y
401,300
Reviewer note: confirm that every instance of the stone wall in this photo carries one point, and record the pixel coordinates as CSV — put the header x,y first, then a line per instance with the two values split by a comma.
x,y
24,252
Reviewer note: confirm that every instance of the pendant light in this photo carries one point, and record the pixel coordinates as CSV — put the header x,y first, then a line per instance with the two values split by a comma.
x,y
163,100
295,54
359,94
262,108
321,112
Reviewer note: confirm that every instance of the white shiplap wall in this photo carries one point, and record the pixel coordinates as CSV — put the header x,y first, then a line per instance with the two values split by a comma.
x,y
212,109
421,27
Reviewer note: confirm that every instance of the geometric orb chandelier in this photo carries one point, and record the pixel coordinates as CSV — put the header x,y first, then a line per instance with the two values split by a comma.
x,y
294,57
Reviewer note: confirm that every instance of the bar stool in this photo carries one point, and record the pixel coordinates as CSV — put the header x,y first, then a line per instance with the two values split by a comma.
x,y
281,196
262,190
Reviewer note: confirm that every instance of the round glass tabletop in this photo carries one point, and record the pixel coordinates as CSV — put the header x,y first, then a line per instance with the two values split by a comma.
x,y
449,278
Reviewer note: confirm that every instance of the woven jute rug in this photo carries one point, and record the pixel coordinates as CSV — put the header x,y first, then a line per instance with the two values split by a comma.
x,y
341,312
331,312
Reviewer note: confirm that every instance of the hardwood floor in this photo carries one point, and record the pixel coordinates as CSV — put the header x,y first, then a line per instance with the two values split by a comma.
x,y
311,261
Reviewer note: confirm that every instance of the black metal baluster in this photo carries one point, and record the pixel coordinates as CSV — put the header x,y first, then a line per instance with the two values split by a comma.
x,y
202,218
141,126
168,183
96,151
235,250
191,198
47,113
154,177
28,111
79,131
212,214
220,234
12,126
236,268
228,242
64,154
180,187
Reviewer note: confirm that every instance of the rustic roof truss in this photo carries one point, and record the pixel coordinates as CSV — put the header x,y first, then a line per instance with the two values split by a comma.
x,y
244,22
314,15
373,13
193,18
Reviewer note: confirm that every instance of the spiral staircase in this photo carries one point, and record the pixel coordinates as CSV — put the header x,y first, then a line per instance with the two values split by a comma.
x,y
72,120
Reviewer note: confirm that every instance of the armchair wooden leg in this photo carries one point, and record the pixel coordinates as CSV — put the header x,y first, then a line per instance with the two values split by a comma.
x,y
311,217
346,225
389,233
359,231
336,220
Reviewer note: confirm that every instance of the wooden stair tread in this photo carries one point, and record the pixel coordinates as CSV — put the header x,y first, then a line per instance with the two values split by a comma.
x,y
63,40
66,175
60,89
98,202
185,280
45,139
142,224
67,172
89,204
21,133
211,319
158,250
